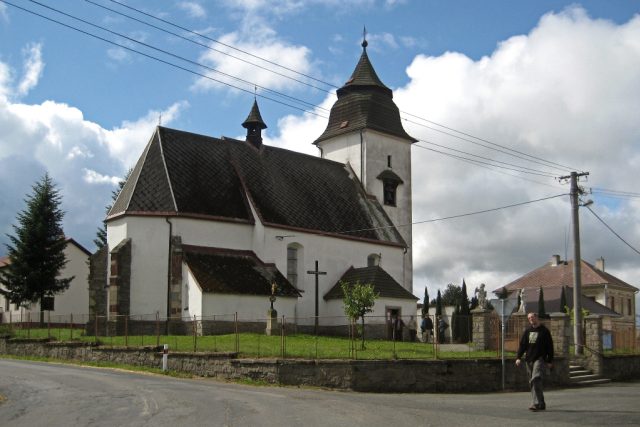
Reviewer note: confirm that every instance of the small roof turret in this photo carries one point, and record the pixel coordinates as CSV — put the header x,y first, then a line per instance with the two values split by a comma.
x,y
254,125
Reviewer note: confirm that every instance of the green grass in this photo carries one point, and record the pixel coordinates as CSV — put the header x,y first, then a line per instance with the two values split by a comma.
x,y
262,346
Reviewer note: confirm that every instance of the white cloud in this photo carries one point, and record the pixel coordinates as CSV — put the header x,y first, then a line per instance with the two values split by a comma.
x,y
33,67
193,9
568,92
264,43
84,159
93,177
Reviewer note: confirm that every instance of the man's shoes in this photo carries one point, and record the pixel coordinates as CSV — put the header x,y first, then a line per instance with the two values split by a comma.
x,y
533,408
538,407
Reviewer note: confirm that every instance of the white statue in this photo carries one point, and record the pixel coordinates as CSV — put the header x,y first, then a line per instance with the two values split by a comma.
x,y
482,297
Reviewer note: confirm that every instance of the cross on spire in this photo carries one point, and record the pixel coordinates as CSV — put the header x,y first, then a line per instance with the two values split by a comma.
x,y
364,37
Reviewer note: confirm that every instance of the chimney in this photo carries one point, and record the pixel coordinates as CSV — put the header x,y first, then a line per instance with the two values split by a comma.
x,y
555,260
600,264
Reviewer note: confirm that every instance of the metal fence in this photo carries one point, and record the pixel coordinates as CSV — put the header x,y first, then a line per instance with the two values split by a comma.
x,y
334,337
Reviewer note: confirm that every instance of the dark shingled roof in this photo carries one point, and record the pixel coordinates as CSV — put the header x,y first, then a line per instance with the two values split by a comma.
x,y
552,301
364,102
225,271
382,282
186,174
550,275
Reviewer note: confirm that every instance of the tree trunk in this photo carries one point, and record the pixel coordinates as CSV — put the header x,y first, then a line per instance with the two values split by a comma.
x,y
362,332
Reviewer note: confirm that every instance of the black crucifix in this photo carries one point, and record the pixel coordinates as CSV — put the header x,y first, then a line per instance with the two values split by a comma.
x,y
316,273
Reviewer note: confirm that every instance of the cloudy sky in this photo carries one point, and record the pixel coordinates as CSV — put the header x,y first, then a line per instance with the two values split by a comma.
x,y
505,97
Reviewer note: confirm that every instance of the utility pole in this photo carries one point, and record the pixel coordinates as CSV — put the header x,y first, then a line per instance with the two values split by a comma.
x,y
574,192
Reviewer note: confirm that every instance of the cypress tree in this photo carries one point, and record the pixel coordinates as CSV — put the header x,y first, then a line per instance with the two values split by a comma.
x,y
439,304
425,303
36,252
464,320
563,301
541,311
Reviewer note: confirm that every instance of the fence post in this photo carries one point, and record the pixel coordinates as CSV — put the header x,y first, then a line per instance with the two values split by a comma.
x,y
28,324
126,330
96,328
71,335
195,342
48,324
157,329
237,337
282,341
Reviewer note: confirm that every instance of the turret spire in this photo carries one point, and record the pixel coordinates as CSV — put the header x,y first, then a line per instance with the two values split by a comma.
x,y
254,125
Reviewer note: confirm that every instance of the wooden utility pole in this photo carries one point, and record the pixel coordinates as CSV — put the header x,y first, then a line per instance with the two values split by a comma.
x,y
574,193
317,273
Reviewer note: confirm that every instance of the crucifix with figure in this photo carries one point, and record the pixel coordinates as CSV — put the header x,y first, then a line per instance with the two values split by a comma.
x,y
317,273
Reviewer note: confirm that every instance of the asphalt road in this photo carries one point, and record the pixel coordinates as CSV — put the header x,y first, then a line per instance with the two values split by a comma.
x,y
43,394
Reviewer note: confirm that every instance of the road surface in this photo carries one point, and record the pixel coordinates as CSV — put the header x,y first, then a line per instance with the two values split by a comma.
x,y
46,394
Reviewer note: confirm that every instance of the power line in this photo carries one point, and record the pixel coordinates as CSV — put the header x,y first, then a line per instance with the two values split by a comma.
x,y
523,168
456,216
309,104
218,42
535,159
207,46
611,230
160,60
492,145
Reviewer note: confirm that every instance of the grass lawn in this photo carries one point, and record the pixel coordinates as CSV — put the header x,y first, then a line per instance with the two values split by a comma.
x,y
260,345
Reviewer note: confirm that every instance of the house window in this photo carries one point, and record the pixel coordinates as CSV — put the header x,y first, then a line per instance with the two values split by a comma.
x,y
373,260
629,311
613,303
390,192
292,265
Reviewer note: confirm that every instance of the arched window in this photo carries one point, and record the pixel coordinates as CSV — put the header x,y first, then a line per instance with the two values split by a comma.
x,y
390,182
292,264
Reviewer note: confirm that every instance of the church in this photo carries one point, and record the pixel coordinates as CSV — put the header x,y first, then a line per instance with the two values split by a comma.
x,y
211,228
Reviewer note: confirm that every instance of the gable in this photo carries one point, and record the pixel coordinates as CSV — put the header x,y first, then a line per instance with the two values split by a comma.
x,y
383,284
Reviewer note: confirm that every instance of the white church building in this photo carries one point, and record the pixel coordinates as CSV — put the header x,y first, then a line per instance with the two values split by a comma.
x,y
205,226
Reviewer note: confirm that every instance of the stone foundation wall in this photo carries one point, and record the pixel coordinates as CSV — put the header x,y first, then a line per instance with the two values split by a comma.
x,y
431,376
621,368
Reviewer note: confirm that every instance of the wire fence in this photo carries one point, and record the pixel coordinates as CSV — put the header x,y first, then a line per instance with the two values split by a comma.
x,y
379,337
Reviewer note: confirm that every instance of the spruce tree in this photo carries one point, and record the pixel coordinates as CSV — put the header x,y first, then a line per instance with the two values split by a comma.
x,y
36,251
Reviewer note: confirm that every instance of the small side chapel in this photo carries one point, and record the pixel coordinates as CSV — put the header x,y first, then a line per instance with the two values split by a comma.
x,y
205,226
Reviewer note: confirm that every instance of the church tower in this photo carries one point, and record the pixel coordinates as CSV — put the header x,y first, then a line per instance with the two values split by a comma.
x,y
365,131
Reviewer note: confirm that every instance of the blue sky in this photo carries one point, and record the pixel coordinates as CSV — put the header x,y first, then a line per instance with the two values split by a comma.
x,y
552,79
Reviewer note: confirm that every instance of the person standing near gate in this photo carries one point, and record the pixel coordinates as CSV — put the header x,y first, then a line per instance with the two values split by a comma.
x,y
427,328
537,346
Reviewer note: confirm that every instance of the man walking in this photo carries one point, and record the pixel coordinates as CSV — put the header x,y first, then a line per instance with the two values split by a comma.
x,y
537,344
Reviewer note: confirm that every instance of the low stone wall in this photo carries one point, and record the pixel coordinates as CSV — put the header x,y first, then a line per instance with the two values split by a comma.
x,y
432,376
621,367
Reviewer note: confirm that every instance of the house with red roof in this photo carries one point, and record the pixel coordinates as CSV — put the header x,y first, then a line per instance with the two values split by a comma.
x,y
602,292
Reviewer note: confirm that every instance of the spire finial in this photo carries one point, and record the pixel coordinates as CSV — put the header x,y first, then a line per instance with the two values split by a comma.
x,y
364,38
